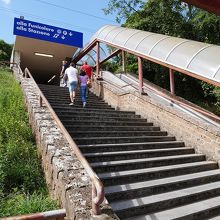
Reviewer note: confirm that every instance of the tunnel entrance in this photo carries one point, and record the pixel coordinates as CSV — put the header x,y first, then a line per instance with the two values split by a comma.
x,y
41,48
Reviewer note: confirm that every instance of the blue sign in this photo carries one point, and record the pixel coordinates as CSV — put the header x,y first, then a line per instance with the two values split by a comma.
x,y
45,32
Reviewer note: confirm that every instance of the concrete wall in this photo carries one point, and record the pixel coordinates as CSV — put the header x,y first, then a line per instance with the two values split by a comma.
x,y
204,137
66,178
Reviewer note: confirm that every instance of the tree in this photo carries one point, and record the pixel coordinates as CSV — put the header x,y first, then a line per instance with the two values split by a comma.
x,y
123,8
207,27
5,51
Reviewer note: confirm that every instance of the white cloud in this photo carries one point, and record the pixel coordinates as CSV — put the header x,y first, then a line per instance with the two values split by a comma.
x,y
7,2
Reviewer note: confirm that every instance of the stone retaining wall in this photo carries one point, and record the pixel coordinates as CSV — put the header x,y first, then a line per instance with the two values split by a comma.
x,y
204,137
66,178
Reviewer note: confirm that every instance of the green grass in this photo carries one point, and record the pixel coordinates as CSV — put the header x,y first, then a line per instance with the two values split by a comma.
x,y
22,185
20,203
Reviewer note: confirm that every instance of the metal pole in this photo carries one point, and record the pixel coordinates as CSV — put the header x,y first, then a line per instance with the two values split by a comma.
x,y
40,101
123,61
54,214
25,74
95,207
172,84
140,75
97,59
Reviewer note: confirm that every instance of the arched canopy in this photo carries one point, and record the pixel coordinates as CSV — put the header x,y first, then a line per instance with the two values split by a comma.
x,y
200,60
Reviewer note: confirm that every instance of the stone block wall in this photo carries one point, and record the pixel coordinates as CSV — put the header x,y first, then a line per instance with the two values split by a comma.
x,y
66,178
202,136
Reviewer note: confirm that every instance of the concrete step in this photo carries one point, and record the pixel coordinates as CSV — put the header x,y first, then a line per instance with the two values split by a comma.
x,y
95,111
116,133
159,202
80,109
66,97
66,100
103,123
117,140
136,154
129,146
101,117
112,119
73,127
146,188
214,218
79,105
77,101
89,112
52,87
131,176
63,92
96,114
131,164
201,210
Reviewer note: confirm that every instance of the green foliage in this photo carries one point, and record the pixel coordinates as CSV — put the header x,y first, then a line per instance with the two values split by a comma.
x,y
20,167
5,51
207,27
110,66
20,203
158,16
123,8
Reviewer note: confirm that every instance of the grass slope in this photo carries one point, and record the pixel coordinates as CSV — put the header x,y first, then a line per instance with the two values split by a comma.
x,y
22,185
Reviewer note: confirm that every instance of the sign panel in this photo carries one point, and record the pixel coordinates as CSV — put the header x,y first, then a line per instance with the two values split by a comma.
x,y
45,32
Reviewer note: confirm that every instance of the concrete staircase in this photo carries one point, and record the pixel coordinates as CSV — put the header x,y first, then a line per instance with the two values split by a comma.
x,y
147,174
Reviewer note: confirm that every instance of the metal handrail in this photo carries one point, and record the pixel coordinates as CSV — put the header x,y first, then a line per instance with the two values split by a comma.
x,y
175,101
98,194
54,214
5,62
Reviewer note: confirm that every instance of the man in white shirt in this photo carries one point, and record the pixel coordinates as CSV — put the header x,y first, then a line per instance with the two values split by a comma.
x,y
72,74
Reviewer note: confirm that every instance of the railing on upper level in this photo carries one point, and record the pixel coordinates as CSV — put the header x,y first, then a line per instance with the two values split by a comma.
x,y
171,99
98,194
50,215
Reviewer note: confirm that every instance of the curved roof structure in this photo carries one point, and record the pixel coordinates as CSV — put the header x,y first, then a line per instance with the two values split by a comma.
x,y
197,59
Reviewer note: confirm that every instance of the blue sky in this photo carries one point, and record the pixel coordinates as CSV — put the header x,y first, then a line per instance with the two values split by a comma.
x,y
85,16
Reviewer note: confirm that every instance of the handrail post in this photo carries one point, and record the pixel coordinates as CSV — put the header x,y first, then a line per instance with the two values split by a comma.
x,y
40,101
140,75
97,59
25,73
123,56
95,207
98,195
172,84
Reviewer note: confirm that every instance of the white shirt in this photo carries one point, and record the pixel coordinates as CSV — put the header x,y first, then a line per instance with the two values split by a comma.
x,y
72,72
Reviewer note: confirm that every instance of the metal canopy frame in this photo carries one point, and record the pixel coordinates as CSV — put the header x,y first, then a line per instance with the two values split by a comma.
x,y
197,59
